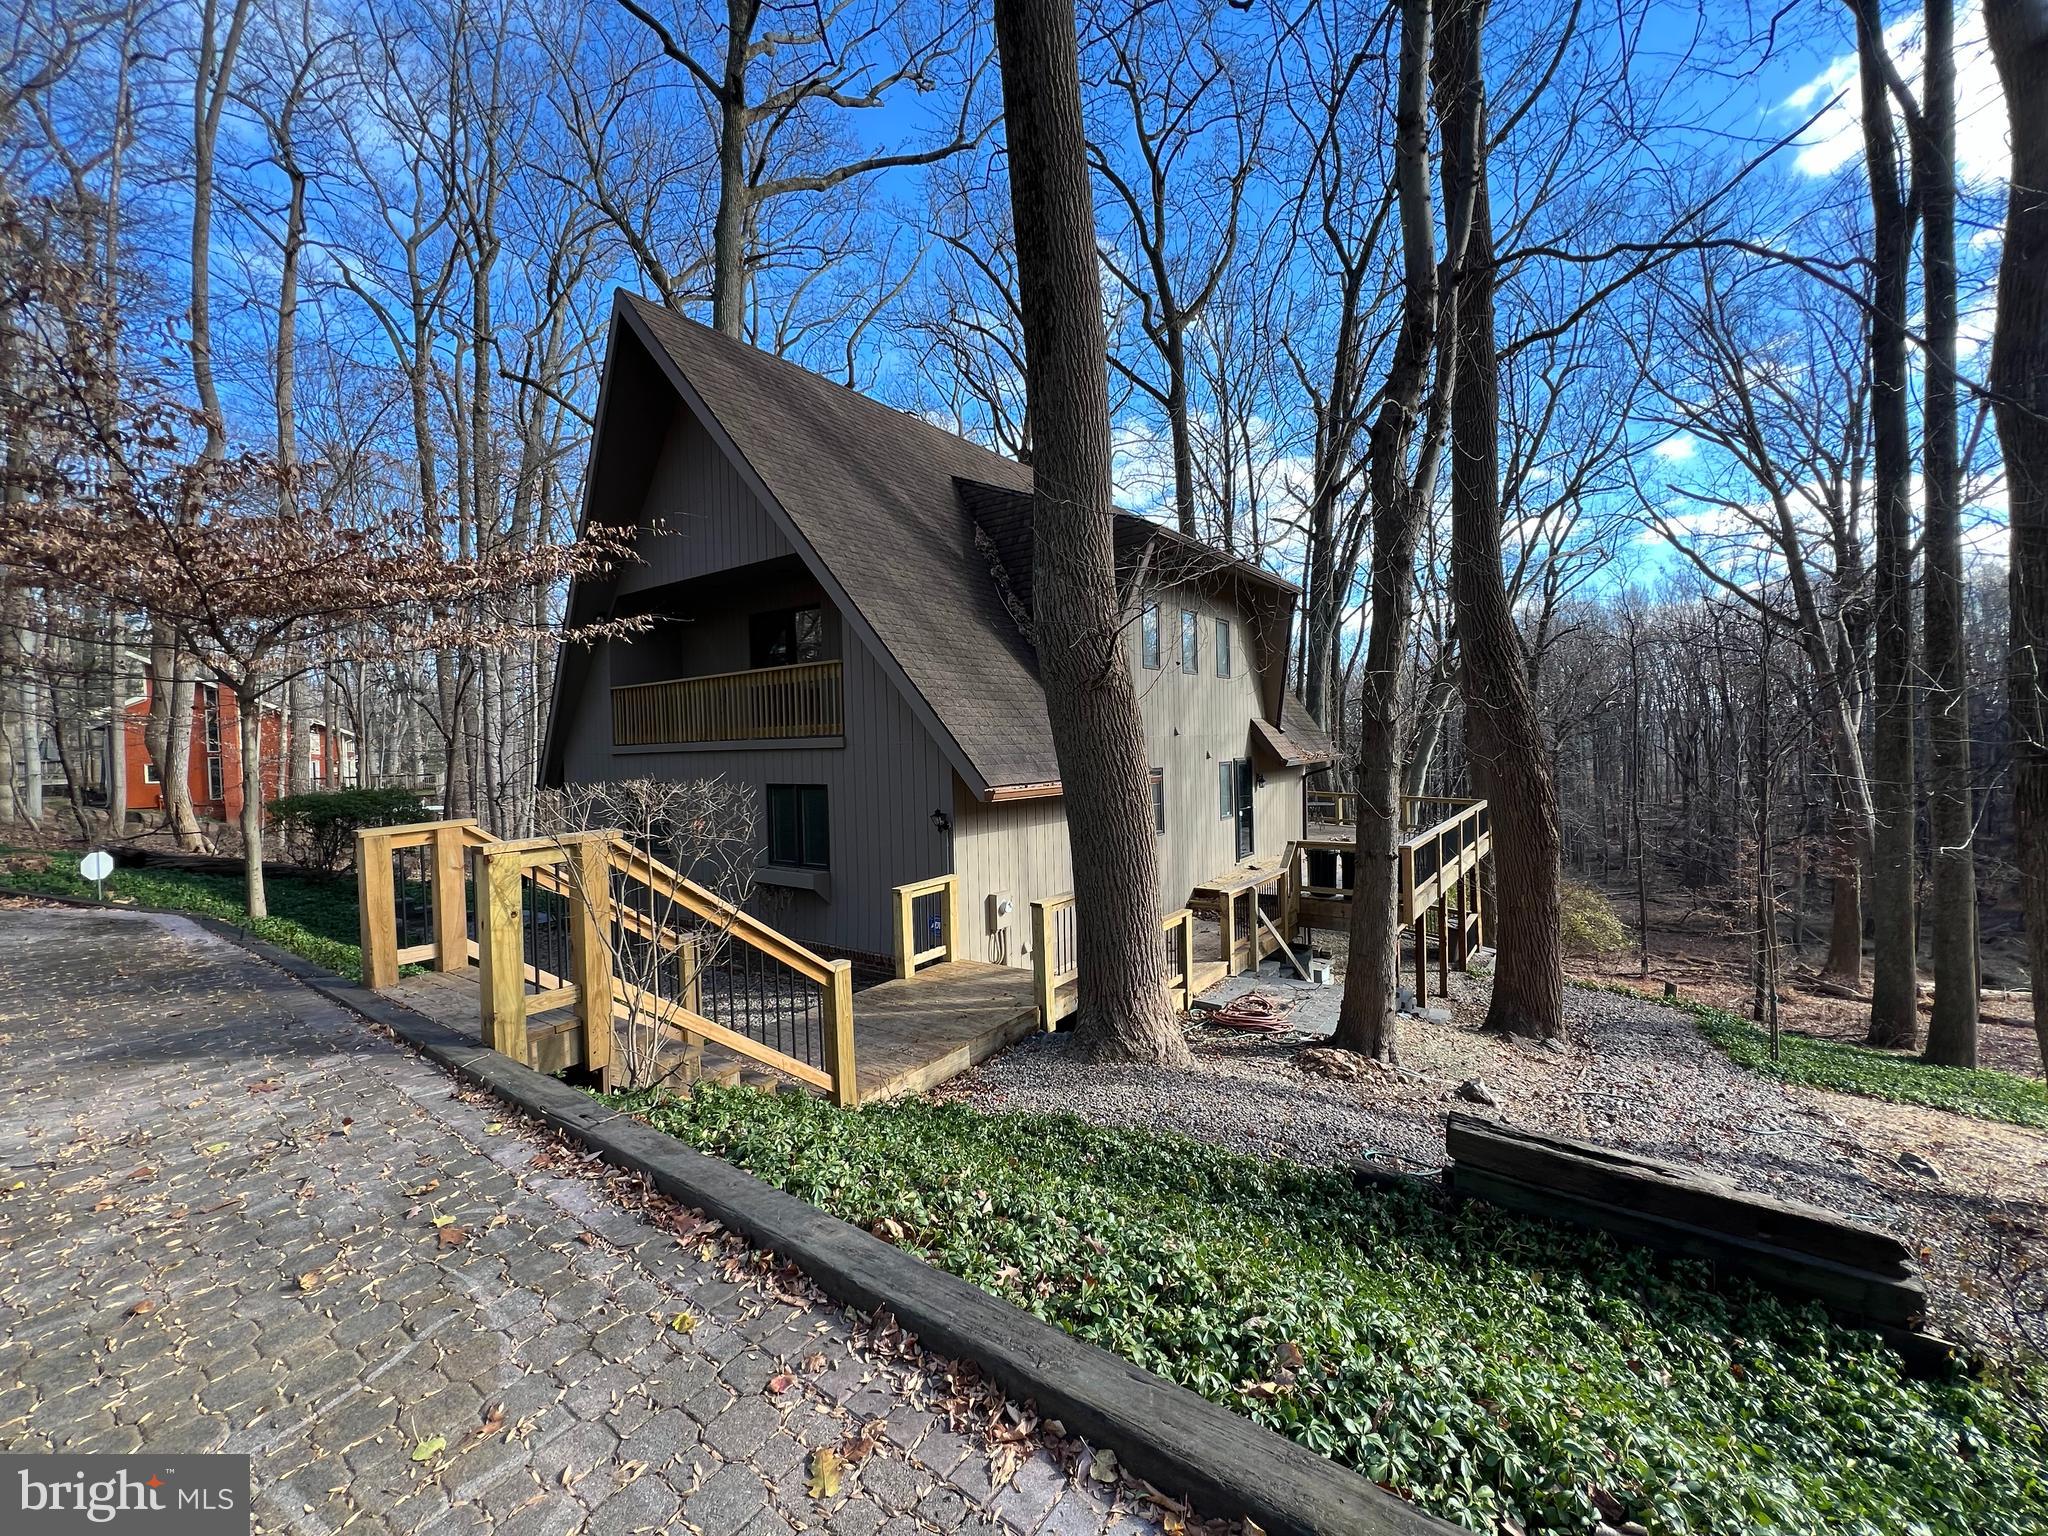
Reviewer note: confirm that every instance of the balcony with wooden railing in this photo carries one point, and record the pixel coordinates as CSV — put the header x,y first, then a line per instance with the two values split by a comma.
x,y
795,703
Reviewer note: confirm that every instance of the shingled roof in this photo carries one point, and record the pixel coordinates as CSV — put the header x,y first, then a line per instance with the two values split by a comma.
x,y
917,532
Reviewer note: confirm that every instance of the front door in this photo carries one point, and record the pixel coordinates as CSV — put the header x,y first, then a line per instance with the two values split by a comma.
x,y
1244,808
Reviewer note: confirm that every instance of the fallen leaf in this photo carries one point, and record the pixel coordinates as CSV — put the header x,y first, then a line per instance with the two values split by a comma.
x,y
142,1308
825,1467
444,1221
430,1447
1103,1468
427,1188
454,1237
684,1322
494,1127
268,1085
214,1148
781,1384
310,1280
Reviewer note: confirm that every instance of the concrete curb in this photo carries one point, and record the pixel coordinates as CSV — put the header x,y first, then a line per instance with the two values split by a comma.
x,y
1172,1437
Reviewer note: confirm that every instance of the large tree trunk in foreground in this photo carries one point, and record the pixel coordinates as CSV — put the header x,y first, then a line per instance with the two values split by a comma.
x,y
1372,976
2018,31
1503,737
1078,620
1895,991
1952,1030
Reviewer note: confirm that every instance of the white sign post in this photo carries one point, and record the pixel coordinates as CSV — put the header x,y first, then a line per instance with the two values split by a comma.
x,y
96,866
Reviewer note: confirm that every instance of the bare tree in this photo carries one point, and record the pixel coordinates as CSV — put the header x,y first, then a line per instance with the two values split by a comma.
x,y
1078,615
776,78
1895,993
1194,124
1400,503
1505,744
1952,1028
2018,33
659,950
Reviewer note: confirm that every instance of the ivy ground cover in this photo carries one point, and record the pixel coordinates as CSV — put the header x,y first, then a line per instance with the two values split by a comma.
x,y
1492,1369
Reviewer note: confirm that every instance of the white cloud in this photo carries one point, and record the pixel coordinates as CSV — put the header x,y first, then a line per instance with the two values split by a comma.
x,y
1835,138
1676,449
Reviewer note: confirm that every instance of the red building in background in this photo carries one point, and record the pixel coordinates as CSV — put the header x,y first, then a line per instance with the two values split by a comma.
x,y
215,773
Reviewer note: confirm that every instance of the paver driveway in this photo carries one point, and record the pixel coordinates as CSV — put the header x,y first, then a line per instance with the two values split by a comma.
x,y
219,1232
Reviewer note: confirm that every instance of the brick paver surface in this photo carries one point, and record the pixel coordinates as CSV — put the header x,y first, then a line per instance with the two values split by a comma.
x,y
236,1218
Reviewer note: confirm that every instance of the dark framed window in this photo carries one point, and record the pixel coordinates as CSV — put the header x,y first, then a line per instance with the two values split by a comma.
x,y
787,636
1223,647
209,698
1226,790
799,826
1159,800
1148,637
1190,641
216,785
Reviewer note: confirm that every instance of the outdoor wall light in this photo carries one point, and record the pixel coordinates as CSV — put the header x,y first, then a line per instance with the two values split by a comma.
x,y
941,823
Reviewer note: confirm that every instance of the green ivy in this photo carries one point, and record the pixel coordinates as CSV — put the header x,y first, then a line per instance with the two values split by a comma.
x,y
1488,1367
1872,1074
314,919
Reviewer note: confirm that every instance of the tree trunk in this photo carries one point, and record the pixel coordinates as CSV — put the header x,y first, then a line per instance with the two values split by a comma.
x,y
1372,975
729,224
1952,1030
1504,742
249,730
2018,33
1089,695
1895,994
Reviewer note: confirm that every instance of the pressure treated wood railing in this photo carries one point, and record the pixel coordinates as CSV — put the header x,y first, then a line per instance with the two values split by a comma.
x,y
1438,889
762,704
588,922
927,922
1055,958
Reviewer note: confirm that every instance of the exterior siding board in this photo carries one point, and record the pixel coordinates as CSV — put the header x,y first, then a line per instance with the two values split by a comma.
x,y
883,784
707,518
1193,722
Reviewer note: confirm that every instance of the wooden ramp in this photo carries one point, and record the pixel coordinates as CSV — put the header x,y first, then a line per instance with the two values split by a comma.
x,y
915,1032
908,1035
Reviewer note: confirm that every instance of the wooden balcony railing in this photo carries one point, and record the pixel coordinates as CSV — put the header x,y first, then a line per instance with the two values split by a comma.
x,y
765,704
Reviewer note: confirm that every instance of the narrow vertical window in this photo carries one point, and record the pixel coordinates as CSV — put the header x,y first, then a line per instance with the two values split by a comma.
x,y
1223,647
1148,643
1190,641
1159,800
1226,790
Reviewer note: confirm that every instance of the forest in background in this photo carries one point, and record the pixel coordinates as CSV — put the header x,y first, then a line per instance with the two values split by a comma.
x,y
354,266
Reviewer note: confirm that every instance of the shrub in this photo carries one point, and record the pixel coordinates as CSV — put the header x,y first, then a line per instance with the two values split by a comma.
x,y
1588,925
318,830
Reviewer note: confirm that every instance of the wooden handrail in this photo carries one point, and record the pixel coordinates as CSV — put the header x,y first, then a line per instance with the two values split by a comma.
x,y
904,900
578,867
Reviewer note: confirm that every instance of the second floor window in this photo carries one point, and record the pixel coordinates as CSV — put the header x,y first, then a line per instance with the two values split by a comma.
x,y
1223,647
799,826
1148,637
1190,641
787,636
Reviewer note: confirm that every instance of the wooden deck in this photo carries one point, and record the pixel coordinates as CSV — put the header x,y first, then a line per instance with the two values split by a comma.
x,y
908,1035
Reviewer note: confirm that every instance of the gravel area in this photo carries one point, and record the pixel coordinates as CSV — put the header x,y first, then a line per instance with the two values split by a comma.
x,y
1631,1074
